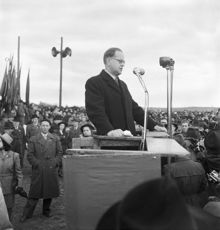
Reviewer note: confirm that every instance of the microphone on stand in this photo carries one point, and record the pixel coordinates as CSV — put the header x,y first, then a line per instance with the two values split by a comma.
x,y
139,72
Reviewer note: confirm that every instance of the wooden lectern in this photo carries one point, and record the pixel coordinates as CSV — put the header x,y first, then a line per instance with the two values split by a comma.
x,y
95,177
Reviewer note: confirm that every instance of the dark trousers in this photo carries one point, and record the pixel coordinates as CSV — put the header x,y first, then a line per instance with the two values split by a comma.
x,y
31,204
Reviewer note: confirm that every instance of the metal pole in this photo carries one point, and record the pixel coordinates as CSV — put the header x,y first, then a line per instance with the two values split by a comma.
x,y
169,109
171,99
18,57
146,104
61,70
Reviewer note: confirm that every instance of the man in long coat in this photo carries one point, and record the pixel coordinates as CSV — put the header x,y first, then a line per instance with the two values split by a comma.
x,y
109,104
44,154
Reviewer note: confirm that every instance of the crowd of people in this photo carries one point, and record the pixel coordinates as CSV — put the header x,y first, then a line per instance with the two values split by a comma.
x,y
18,130
191,129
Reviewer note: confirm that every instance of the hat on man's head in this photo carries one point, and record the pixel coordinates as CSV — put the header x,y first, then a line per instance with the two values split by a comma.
x,y
58,118
87,125
156,205
44,119
212,141
8,125
34,116
62,122
193,133
16,119
7,138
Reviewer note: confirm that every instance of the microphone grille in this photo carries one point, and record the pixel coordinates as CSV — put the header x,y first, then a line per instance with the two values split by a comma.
x,y
139,71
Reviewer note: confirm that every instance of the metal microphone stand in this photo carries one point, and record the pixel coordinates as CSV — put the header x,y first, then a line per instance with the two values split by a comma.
x,y
143,145
169,98
168,64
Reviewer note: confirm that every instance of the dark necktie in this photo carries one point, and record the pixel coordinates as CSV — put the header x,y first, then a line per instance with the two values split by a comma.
x,y
117,80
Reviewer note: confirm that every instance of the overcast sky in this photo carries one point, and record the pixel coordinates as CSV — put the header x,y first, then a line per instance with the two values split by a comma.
x,y
186,30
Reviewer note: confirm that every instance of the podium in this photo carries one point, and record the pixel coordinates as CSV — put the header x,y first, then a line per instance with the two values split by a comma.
x,y
98,173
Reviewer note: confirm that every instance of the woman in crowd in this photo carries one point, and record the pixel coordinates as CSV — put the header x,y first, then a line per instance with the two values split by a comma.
x,y
87,130
9,170
63,135
65,141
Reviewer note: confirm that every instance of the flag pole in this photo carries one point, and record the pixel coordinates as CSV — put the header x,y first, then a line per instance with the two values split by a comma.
x,y
18,57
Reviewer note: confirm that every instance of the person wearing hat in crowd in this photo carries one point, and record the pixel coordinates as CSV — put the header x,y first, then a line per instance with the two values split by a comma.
x,y
191,179
54,126
192,138
184,127
8,127
212,155
44,154
87,130
212,144
33,128
63,135
9,168
65,141
74,130
19,139
156,205
39,114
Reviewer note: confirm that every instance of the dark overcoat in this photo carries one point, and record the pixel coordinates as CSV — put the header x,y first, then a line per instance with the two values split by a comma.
x,y
32,130
45,157
212,144
110,106
19,140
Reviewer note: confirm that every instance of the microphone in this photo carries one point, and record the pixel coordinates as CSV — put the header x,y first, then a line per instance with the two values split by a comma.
x,y
138,71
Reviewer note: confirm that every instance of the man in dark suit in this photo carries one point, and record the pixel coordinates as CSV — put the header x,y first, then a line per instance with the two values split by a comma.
x,y
44,155
19,139
33,128
109,104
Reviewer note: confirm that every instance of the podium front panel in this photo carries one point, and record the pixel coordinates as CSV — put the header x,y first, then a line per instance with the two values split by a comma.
x,y
93,182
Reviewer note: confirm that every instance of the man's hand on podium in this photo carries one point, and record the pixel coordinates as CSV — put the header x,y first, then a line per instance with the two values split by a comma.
x,y
115,133
159,128
127,133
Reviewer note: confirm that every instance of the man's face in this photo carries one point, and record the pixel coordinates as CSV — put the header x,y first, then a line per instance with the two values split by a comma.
x,y
62,126
116,63
15,124
35,121
185,127
75,125
45,126
87,132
